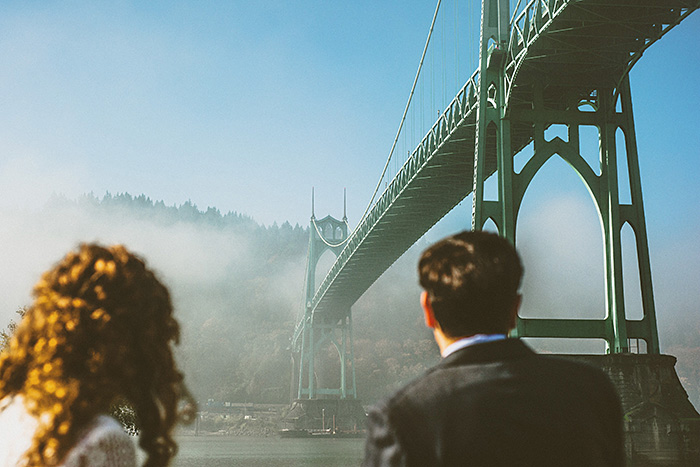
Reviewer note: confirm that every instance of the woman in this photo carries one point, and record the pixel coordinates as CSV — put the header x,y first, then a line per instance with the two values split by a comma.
x,y
99,332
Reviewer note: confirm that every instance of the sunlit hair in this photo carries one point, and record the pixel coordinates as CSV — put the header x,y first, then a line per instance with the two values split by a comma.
x,y
472,280
99,330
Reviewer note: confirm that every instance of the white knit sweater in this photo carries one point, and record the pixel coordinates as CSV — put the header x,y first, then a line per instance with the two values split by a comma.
x,y
103,443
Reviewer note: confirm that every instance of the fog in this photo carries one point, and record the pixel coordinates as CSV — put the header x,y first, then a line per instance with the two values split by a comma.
x,y
183,255
560,241
213,272
237,287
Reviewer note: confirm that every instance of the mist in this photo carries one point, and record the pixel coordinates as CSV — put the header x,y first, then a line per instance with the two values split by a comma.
x,y
213,270
237,288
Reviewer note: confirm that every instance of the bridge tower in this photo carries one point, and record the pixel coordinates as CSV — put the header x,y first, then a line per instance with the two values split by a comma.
x,y
314,332
316,404
567,103
650,391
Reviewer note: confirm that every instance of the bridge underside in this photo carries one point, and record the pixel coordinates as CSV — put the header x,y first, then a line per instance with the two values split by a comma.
x,y
569,47
585,45
440,184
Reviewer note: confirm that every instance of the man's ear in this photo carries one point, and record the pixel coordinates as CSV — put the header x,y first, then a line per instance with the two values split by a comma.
x,y
513,318
427,310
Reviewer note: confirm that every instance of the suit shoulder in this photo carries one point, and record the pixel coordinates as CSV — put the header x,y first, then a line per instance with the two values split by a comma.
x,y
419,391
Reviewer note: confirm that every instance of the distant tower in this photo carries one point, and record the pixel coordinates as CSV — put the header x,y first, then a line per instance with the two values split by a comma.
x,y
314,331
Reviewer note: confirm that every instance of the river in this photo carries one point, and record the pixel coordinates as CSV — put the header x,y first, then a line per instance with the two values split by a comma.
x,y
219,451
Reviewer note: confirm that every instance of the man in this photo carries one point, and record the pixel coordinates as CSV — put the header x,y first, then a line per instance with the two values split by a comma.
x,y
491,401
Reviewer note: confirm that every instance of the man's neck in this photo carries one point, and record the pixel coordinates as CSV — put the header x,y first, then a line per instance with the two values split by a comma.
x,y
470,341
444,341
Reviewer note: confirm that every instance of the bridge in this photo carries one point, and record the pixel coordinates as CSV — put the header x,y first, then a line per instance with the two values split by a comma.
x,y
545,63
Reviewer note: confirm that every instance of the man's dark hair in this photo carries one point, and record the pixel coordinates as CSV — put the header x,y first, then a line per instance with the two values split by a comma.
x,y
472,280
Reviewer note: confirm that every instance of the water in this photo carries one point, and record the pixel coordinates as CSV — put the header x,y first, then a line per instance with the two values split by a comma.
x,y
219,451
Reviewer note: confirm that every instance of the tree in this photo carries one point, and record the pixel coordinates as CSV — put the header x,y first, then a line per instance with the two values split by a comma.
x,y
6,334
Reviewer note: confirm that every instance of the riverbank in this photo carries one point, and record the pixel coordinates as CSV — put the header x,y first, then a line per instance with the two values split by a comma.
x,y
262,424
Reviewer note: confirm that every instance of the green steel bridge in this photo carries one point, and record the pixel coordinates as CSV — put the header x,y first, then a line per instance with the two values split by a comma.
x,y
547,62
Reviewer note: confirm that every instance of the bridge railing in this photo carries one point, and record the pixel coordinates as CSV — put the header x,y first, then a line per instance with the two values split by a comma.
x,y
525,28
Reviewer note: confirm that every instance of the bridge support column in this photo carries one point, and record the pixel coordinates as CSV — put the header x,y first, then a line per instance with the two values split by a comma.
x,y
595,109
315,379
492,140
497,120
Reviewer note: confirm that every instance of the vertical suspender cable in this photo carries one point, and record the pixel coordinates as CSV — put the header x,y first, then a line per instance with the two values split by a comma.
x,y
403,118
421,107
456,15
472,31
515,11
443,103
432,84
498,42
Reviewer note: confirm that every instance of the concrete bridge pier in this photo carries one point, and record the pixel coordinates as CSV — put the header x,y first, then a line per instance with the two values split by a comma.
x,y
339,416
662,428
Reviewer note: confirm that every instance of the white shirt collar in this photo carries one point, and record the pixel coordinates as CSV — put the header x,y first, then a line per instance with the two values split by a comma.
x,y
471,340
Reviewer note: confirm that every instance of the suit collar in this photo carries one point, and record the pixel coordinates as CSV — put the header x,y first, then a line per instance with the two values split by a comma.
x,y
488,352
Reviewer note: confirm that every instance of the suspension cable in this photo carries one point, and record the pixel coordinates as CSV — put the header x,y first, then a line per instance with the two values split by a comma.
x,y
403,118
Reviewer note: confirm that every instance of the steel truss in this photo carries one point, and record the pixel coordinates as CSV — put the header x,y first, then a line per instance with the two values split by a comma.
x,y
493,150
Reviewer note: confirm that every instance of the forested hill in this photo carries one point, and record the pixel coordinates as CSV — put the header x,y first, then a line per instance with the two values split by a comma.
x,y
237,288
144,208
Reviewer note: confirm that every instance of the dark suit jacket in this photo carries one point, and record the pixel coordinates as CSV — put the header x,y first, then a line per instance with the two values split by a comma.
x,y
499,403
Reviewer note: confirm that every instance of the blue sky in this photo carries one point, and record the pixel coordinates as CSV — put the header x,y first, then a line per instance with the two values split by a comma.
x,y
245,106
238,107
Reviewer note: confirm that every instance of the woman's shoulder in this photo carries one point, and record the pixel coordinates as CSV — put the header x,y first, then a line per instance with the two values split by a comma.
x,y
104,425
17,427
103,443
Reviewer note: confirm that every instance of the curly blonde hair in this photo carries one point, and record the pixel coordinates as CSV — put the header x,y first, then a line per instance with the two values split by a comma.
x,y
99,330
